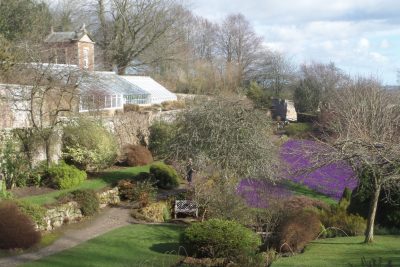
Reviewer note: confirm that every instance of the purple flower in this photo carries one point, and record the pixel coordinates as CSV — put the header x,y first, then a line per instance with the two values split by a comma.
x,y
330,179
259,193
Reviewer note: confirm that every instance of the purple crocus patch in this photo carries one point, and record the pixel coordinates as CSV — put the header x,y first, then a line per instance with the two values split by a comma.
x,y
259,193
330,179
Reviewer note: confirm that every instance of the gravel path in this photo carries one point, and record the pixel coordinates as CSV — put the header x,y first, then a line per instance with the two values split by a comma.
x,y
107,220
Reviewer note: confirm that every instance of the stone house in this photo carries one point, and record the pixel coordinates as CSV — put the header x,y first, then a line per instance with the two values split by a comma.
x,y
71,48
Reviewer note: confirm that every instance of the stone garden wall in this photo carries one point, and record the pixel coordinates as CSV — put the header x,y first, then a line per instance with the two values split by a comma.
x,y
62,214
109,197
70,211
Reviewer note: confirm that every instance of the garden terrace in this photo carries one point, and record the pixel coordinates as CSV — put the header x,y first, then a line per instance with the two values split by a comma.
x,y
97,181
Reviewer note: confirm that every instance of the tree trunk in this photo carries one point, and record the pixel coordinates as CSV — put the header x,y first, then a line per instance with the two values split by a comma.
x,y
121,69
47,151
369,233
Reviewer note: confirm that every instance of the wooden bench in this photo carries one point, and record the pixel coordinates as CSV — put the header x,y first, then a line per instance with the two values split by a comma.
x,y
186,206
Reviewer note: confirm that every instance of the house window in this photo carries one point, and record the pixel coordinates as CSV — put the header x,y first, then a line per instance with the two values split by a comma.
x,y
85,58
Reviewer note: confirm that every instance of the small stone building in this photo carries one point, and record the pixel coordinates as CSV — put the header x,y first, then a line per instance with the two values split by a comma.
x,y
283,109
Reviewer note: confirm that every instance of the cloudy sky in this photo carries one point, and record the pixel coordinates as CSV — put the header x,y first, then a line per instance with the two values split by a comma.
x,y
360,36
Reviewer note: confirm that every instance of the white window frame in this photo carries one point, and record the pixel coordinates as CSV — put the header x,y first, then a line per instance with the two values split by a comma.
x,y
85,58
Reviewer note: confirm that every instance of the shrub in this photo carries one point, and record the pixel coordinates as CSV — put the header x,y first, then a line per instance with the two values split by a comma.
x,y
298,129
337,217
125,188
160,135
144,192
155,212
14,166
34,211
172,105
165,176
64,176
346,195
297,203
298,230
16,229
137,155
89,145
221,239
88,201
260,97
143,176
131,107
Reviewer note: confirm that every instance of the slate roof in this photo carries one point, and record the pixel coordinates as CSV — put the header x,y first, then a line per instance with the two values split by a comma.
x,y
60,37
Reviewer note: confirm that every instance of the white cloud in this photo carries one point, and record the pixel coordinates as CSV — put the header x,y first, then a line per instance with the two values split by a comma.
x,y
385,44
378,58
363,44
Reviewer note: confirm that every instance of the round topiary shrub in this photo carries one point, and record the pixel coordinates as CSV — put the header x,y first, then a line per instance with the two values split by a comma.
x,y
221,239
64,176
137,155
166,176
88,201
17,230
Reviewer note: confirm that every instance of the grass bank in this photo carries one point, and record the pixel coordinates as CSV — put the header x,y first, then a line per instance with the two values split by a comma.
x,y
345,251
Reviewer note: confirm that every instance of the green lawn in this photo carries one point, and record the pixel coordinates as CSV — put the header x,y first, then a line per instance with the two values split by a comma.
x,y
103,179
133,245
303,190
344,251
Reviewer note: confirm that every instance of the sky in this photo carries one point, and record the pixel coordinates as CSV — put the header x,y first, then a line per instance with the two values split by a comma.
x,y
362,37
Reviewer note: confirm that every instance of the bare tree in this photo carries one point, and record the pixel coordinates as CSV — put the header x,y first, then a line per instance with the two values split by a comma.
x,y
238,44
366,123
274,72
128,29
65,14
326,77
203,39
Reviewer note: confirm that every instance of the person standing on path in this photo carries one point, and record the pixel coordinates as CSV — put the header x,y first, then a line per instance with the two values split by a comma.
x,y
189,171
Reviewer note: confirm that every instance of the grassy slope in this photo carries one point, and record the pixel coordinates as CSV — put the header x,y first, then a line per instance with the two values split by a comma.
x,y
345,251
133,245
105,179
299,189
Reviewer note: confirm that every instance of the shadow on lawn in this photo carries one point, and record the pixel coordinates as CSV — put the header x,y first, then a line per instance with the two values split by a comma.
x,y
112,176
166,248
341,243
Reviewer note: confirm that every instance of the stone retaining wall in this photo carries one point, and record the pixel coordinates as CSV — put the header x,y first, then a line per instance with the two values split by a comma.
x,y
64,213
109,197
70,211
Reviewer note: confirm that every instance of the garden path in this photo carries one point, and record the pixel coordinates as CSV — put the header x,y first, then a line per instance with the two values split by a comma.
x,y
109,219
